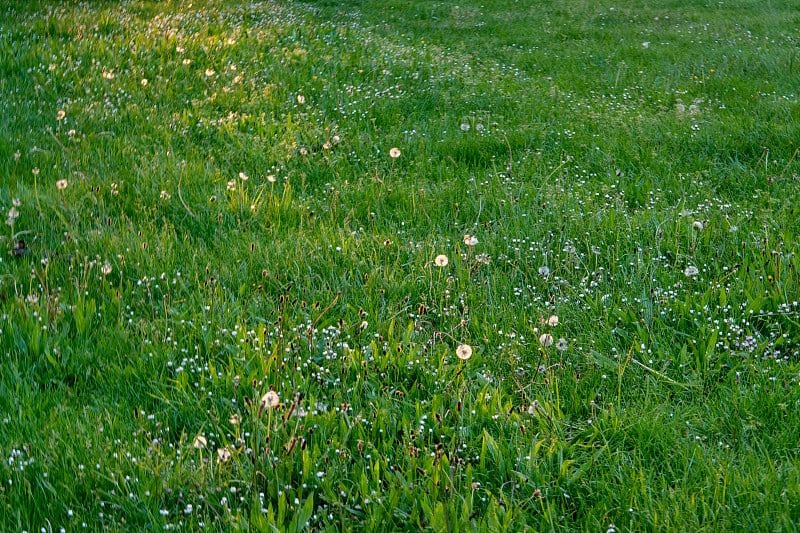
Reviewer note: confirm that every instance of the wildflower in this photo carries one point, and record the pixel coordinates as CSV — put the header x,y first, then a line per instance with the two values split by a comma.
x,y
106,268
165,195
698,225
271,178
646,44
200,442
223,454
301,99
464,352
464,127
33,298
326,145
470,240
61,184
336,139
270,399
544,271
187,61
35,171
552,321
441,260
394,153
483,258
561,345
17,155
303,151
13,213
144,82
60,115
232,185
546,340
235,419
210,72
243,176
691,271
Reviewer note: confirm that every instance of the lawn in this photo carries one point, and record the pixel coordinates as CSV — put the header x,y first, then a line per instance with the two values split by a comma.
x,y
493,265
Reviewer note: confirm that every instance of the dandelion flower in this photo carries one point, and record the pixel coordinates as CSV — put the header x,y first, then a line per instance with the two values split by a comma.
x,y
561,345
271,178
394,153
232,185
470,240
60,115
35,171
270,399
646,44
144,82
106,268
326,145
200,442
552,321
235,419
187,61
691,271
224,455
336,139
243,176
546,340
13,213
165,195
464,352
544,271
698,225
441,260
464,127
61,184
15,202
301,99
483,258
210,72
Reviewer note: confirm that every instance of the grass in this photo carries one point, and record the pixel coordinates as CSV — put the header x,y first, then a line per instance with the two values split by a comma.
x,y
202,207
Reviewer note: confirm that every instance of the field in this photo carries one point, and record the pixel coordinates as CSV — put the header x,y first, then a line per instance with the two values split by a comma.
x,y
494,265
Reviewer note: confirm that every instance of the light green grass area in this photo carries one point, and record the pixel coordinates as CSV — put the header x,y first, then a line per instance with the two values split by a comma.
x,y
203,205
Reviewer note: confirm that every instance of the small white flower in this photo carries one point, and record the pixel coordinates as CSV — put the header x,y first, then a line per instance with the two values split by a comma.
x,y
544,271
394,153
691,271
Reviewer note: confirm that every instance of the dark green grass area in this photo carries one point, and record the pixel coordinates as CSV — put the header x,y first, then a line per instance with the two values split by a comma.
x,y
203,205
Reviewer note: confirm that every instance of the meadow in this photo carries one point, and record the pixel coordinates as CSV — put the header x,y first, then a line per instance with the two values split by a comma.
x,y
400,265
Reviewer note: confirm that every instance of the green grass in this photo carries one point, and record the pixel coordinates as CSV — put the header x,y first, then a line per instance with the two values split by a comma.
x,y
630,168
